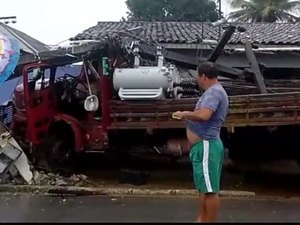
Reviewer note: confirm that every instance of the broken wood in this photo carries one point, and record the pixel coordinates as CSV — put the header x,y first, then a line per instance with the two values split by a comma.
x,y
259,79
221,44
93,70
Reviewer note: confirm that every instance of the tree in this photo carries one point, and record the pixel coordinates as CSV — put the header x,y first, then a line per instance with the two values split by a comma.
x,y
172,10
264,10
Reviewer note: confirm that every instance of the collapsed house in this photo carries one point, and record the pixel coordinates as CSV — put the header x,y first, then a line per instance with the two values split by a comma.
x,y
276,46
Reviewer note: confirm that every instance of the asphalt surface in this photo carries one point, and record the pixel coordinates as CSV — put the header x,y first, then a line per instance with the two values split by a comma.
x,y
167,175
32,208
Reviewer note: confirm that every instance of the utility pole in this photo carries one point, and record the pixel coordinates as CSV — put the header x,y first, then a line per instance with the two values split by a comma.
x,y
8,19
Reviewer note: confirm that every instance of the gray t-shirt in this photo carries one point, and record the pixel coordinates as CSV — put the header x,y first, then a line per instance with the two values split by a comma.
x,y
216,99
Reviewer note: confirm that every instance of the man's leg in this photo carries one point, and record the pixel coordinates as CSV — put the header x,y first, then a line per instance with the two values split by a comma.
x,y
206,160
212,205
201,217
209,205
196,155
212,166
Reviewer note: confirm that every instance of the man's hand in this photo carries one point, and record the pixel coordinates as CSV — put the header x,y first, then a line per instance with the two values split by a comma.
x,y
202,114
178,115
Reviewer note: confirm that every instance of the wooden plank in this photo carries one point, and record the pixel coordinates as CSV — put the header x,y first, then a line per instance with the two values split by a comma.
x,y
188,61
255,68
240,104
216,53
229,123
231,112
253,110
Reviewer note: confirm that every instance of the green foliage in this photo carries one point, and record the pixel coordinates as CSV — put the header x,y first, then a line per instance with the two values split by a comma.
x,y
172,10
264,10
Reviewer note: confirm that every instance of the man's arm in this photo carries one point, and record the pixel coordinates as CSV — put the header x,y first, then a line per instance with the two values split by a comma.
x,y
204,109
202,114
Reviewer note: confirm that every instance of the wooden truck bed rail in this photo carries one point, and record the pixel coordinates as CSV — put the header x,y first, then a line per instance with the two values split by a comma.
x,y
246,110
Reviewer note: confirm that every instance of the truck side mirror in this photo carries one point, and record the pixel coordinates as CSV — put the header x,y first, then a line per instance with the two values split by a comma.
x,y
91,103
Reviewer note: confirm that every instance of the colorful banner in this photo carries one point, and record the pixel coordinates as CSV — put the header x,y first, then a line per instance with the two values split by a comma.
x,y
9,57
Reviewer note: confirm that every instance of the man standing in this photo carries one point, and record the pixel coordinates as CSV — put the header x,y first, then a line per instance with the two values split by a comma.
x,y
203,133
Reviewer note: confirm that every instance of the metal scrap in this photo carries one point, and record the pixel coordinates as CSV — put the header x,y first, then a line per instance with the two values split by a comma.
x,y
12,158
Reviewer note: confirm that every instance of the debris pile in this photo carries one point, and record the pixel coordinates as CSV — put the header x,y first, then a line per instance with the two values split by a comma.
x,y
46,179
42,178
16,169
13,161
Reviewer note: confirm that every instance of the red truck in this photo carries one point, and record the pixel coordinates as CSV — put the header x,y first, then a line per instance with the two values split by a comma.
x,y
111,107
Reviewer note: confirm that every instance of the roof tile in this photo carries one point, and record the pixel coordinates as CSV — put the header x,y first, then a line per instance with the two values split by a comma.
x,y
189,32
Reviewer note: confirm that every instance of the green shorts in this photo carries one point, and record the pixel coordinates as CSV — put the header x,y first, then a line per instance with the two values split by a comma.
x,y
207,160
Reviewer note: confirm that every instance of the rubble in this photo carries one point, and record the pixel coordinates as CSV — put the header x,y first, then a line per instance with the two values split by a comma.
x,y
60,182
16,169
43,179
13,161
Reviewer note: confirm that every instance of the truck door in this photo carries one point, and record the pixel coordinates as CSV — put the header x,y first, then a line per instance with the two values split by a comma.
x,y
40,100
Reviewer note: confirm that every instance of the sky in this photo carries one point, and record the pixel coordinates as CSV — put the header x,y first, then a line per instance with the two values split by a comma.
x,y
54,21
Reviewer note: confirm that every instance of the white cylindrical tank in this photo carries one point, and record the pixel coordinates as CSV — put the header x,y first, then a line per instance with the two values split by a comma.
x,y
142,78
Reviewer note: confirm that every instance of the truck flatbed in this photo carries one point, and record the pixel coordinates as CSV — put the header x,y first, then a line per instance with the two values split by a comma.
x,y
245,110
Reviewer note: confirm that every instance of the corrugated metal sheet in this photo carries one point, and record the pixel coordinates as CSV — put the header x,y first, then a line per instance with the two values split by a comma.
x,y
27,43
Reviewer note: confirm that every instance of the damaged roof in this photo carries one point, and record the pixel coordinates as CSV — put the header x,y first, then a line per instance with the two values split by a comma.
x,y
33,50
27,43
192,32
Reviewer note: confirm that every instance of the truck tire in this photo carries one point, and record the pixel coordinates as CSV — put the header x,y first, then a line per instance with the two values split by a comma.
x,y
55,154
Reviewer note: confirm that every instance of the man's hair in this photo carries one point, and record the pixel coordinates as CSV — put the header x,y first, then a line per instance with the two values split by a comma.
x,y
208,69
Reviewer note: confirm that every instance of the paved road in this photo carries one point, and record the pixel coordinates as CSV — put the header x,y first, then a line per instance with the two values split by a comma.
x,y
164,174
29,208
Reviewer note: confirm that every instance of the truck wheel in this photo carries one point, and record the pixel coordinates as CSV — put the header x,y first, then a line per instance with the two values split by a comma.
x,y
55,155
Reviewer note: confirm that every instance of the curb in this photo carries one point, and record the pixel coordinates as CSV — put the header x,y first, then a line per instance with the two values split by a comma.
x,y
58,190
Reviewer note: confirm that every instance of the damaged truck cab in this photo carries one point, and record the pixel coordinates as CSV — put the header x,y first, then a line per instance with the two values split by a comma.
x,y
59,115
50,118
